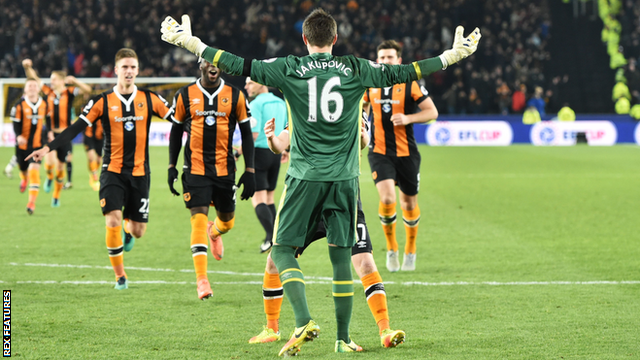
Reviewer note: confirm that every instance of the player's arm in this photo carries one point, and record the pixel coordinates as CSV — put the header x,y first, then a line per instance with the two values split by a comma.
x,y
175,139
64,137
180,35
279,143
374,75
427,112
364,132
90,113
16,118
82,86
30,72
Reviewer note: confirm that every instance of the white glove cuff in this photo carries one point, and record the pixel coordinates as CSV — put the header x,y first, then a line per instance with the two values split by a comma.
x,y
445,63
200,49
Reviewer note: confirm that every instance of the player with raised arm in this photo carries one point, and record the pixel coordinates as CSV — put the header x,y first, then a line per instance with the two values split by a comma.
x,y
125,113
324,97
28,117
361,257
394,157
60,98
265,106
208,110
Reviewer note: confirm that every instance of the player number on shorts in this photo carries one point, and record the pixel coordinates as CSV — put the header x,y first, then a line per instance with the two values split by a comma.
x,y
326,96
144,209
363,231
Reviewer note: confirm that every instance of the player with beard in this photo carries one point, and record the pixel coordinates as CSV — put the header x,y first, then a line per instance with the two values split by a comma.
x,y
208,110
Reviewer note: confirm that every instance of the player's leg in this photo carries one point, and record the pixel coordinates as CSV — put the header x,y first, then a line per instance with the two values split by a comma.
x,y
384,176
263,213
8,170
49,165
197,199
224,199
23,166
272,290
136,210
69,162
198,242
59,177
409,184
272,295
113,191
339,216
272,182
34,186
295,217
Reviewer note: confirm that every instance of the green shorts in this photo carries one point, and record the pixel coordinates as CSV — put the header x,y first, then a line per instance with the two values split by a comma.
x,y
304,203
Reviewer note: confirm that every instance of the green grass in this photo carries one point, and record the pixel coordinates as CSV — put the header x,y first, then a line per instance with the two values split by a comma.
x,y
504,215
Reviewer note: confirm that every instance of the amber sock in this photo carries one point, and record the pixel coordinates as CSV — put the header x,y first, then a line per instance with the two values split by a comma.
x,y
377,299
387,214
411,220
115,248
272,293
199,244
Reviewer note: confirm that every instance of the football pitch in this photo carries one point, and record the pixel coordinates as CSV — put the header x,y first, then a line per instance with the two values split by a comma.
x,y
523,252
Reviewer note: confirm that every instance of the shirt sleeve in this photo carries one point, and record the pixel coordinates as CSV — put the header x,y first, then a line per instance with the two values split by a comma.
x,y
418,92
242,108
179,112
374,75
15,115
160,106
93,110
269,72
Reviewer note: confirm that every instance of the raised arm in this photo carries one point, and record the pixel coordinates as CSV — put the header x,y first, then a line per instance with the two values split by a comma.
x,y
279,143
375,75
27,65
180,35
84,87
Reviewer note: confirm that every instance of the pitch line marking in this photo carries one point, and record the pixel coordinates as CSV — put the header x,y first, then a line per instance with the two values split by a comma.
x,y
155,269
320,279
405,283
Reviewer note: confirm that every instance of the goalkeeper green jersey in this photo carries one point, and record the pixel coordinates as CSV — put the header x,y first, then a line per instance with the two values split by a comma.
x,y
324,101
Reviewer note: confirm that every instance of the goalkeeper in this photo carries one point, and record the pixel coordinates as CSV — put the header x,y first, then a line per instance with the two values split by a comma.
x,y
324,94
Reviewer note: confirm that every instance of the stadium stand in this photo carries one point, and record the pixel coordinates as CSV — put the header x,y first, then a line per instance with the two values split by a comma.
x,y
82,37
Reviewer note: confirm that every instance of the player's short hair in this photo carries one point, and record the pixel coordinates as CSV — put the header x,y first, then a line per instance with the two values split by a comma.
x,y
391,44
30,79
320,28
61,73
126,53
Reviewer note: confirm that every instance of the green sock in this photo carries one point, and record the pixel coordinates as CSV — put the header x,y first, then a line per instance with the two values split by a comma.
x,y
292,282
342,289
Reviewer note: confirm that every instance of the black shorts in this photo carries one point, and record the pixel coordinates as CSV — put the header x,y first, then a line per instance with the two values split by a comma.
x,y
91,143
405,171
201,190
63,150
362,245
267,169
128,191
23,164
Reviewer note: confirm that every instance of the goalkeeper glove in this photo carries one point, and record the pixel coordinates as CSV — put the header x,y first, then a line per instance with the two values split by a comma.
x,y
462,47
173,177
180,35
249,181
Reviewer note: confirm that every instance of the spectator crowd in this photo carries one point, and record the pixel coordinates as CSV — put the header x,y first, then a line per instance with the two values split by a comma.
x,y
82,37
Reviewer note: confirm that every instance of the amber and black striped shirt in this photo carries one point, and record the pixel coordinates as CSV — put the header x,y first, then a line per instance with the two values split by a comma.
x,y
387,139
126,120
28,121
210,117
